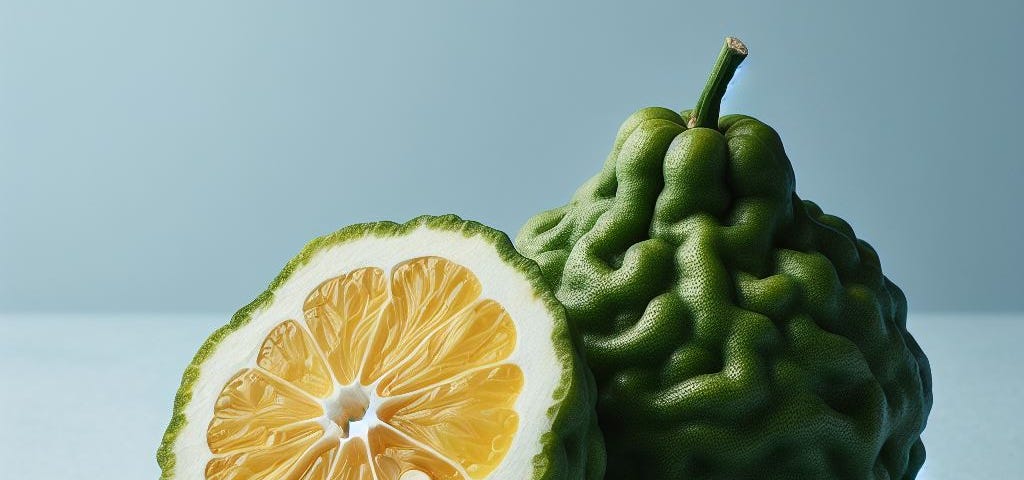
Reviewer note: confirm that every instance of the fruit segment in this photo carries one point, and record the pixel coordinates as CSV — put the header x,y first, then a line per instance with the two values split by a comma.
x,y
481,335
469,420
289,353
354,463
395,458
254,410
342,313
426,293
320,467
272,462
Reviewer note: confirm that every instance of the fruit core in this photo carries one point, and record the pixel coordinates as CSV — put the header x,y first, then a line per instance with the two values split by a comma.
x,y
347,405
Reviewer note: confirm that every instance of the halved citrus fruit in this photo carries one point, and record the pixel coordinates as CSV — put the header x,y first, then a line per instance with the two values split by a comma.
x,y
429,350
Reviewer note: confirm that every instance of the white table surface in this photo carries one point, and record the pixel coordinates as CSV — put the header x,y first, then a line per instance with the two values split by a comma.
x,y
88,397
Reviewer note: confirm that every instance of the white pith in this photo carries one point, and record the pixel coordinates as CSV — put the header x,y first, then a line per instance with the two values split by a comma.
x,y
534,352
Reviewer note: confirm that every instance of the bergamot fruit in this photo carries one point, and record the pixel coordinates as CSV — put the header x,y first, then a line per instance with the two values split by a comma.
x,y
734,330
429,350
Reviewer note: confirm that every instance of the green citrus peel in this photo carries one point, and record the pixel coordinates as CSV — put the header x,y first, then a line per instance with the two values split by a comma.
x,y
734,330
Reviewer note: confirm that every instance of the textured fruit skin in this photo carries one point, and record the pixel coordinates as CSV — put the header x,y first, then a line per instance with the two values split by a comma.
x,y
735,331
572,450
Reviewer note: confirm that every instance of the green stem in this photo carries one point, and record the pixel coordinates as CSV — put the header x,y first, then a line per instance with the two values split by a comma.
x,y
706,113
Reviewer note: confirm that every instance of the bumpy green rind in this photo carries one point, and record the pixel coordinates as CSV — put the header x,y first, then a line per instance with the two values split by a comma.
x,y
572,449
734,330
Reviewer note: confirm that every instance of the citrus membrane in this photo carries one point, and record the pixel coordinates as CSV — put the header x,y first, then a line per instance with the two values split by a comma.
x,y
389,352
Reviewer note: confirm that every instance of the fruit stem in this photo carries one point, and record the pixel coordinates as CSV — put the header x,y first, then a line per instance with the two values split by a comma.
x,y
706,113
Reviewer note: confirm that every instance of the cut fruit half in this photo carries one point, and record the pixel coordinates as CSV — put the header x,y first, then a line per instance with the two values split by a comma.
x,y
429,350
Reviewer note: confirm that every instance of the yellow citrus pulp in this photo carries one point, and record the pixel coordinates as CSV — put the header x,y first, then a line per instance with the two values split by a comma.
x,y
381,380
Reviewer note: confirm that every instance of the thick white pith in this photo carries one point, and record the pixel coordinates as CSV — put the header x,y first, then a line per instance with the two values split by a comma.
x,y
534,353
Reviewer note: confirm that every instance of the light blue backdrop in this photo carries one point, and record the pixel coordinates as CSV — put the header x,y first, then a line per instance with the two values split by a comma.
x,y
172,156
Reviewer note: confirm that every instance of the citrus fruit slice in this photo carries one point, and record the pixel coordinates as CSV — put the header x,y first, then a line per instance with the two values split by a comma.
x,y
429,350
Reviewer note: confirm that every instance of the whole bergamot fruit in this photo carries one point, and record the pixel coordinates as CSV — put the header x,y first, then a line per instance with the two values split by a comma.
x,y
735,330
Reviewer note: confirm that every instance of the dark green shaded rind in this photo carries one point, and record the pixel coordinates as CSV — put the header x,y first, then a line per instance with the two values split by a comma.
x,y
734,330
572,449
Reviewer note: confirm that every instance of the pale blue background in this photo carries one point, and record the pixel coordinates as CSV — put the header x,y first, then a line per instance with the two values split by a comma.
x,y
171,156
163,158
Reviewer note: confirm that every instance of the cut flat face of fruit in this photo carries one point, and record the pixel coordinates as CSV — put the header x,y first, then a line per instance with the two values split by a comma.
x,y
429,350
